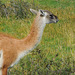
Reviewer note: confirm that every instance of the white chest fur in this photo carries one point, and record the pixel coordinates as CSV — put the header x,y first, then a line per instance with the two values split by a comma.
x,y
1,58
22,54
19,57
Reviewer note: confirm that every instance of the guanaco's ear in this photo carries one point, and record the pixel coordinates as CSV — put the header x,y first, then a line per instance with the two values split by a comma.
x,y
42,13
33,11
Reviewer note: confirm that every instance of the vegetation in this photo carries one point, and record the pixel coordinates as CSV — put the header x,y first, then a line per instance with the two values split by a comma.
x,y
55,55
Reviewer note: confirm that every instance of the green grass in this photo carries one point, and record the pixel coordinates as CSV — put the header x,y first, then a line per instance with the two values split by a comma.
x,y
55,55
57,3
17,28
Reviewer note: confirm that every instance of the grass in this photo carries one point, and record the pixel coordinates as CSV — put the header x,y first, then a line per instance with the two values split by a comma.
x,y
57,3
55,55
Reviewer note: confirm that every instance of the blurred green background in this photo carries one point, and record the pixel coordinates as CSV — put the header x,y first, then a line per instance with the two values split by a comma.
x,y
55,55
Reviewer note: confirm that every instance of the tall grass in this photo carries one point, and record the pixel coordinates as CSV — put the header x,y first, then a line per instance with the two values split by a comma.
x,y
55,55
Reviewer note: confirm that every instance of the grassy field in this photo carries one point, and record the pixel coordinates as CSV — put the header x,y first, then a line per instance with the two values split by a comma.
x,y
55,55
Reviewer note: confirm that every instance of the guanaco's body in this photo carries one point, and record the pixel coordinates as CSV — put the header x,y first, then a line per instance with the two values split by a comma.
x,y
12,50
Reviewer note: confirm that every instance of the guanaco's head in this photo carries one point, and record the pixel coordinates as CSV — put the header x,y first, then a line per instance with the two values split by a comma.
x,y
47,15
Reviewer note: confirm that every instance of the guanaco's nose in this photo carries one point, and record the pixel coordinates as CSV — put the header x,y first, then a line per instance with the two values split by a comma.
x,y
57,20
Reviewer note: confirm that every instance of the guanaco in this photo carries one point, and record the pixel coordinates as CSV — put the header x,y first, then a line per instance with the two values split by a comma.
x,y
12,49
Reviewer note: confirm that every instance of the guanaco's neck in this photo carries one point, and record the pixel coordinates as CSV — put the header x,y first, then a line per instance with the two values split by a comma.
x,y
34,37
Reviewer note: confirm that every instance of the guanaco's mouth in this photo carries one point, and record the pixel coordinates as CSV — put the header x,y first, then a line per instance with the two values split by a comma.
x,y
55,21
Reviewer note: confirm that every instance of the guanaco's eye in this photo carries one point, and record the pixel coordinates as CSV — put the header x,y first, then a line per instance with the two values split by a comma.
x,y
51,16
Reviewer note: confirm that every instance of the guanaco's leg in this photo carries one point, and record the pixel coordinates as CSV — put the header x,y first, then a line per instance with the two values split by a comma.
x,y
4,71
